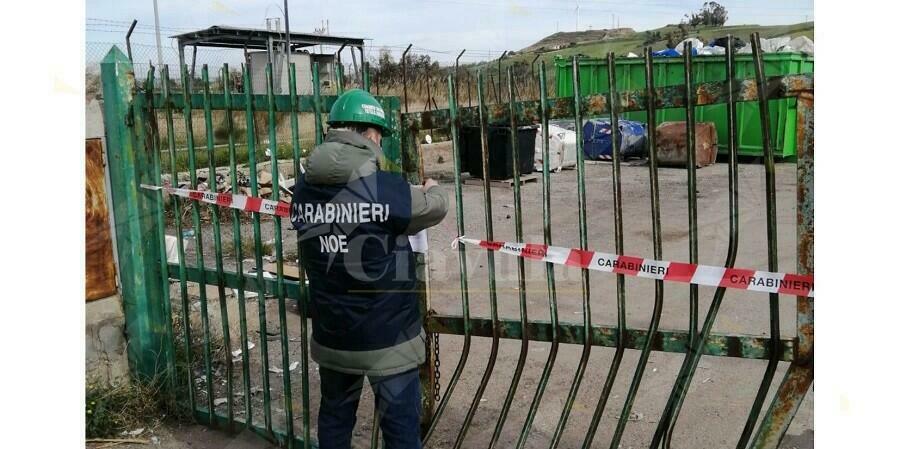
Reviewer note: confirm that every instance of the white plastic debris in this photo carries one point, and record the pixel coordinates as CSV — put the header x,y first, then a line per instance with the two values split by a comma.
x,y
697,44
631,55
562,149
711,51
293,366
772,45
428,138
802,44
275,370
133,433
219,401
238,352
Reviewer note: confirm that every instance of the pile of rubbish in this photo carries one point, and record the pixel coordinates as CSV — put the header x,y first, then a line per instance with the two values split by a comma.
x,y
597,134
784,44
221,181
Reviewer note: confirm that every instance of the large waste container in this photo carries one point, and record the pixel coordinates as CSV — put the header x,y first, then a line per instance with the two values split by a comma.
x,y
500,162
670,72
598,139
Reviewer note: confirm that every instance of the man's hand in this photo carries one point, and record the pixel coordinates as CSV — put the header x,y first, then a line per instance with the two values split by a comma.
x,y
429,183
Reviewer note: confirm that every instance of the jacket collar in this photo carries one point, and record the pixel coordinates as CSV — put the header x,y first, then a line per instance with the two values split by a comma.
x,y
348,137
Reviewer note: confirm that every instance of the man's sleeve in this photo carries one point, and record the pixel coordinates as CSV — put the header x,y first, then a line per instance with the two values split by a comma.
x,y
429,207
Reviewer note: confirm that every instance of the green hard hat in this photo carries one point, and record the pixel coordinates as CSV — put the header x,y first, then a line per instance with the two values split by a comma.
x,y
358,106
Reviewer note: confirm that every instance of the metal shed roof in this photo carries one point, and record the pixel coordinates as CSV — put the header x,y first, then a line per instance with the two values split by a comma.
x,y
234,37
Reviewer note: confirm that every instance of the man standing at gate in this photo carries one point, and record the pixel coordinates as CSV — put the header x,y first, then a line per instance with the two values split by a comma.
x,y
353,219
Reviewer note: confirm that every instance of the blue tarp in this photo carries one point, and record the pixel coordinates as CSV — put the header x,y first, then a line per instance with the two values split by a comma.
x,y
670,53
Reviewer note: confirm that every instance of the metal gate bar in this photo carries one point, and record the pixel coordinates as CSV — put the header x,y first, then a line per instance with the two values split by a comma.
x,y
657,254
523,300
548,267
619,243
492,282
238,248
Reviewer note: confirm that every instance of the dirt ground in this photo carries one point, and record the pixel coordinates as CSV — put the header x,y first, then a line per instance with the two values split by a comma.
x,y
723,388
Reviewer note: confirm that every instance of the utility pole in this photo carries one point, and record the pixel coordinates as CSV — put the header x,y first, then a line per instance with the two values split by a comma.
x,y
576,16
159,60
287,39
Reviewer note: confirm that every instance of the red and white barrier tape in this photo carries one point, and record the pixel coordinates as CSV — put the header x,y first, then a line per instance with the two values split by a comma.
x,y
756,280
240,202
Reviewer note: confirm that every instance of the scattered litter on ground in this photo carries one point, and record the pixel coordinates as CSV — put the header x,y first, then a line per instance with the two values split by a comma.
x,y
133,433
236,354
219,401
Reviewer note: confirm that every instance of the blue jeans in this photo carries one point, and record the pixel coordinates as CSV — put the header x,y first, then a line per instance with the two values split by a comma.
x,y
397,399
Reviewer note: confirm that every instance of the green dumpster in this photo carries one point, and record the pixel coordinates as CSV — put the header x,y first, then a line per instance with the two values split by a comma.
x,y
670,72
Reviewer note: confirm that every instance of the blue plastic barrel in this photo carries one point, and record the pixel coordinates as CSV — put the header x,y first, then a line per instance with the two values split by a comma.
x,y
598,139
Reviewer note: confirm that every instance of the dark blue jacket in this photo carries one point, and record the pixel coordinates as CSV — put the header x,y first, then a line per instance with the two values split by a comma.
x,y
356,253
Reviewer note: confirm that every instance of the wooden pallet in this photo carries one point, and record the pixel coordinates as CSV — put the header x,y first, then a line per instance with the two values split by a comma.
x,y
524,179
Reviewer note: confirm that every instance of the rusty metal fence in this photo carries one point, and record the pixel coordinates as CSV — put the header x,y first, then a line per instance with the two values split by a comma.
x,y
136,154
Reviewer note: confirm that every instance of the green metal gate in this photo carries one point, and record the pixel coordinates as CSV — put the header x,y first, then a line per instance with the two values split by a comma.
x,y
133,115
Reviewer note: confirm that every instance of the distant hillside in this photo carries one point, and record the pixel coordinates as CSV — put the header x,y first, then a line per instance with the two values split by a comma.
x,y
621,41
564,39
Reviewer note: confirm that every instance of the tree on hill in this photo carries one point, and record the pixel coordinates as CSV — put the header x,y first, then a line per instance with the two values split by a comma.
x,y
711,14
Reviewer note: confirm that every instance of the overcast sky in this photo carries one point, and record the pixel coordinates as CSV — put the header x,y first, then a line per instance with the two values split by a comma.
x,y
440,27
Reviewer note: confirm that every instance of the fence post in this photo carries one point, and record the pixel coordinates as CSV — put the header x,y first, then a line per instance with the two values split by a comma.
x,y
137,237
413,169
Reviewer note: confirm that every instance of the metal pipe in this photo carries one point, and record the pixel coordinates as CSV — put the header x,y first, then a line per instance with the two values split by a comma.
x,y
772,239
355,67
619,241
339,70
403,62
534,78
693,248
657,251
500,77
523,299
463,268
128,39
198,241
693,314
193,63
159,58
217,245
492,281
301,303
317,104
456,69
585,275
257,253
365,76
156,160
287,35
279,262
548,267
182,269
238,247
667,421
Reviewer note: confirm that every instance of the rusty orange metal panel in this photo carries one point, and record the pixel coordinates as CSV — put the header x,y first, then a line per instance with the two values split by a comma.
x,y
99,267
671,143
